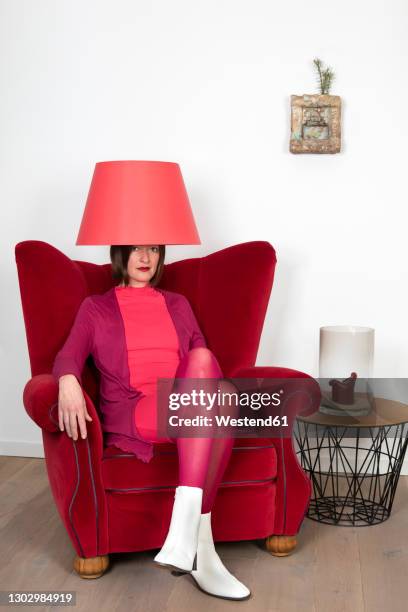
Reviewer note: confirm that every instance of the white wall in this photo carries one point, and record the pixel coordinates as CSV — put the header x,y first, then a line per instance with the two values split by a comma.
x,y
208,84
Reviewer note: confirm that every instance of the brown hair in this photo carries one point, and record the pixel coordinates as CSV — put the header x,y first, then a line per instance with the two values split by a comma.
x,y
119,255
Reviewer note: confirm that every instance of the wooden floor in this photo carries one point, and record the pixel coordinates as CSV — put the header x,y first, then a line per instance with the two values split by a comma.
x,y
333,569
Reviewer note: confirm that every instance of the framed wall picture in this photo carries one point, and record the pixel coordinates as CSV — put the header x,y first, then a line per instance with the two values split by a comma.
x,y
315,124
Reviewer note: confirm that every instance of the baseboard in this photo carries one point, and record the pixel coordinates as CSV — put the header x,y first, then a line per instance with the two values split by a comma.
x,y
10,448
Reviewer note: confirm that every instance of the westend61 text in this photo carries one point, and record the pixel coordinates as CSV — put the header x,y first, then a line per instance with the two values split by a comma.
x,y
204,421
203,398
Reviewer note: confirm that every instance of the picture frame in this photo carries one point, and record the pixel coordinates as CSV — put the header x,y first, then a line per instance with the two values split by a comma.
x,y
315,124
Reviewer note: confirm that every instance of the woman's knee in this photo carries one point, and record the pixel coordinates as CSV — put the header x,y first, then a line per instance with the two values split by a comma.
x,y
203,359
201,352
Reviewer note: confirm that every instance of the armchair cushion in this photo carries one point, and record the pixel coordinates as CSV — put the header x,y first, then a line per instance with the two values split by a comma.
x,y
254,461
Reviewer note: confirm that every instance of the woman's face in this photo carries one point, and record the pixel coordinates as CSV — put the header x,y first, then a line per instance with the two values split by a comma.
x,y
142,264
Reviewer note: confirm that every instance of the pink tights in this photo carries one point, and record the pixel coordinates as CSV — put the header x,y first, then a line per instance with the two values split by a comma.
x,y
202,461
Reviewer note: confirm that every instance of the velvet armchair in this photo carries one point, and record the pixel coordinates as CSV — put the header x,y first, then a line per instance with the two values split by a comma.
x,y
110,501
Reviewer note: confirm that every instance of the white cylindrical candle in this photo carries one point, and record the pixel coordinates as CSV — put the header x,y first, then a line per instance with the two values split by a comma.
x,y
345,349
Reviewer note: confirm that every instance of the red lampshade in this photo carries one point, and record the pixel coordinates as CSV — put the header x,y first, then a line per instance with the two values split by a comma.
x,y
137,202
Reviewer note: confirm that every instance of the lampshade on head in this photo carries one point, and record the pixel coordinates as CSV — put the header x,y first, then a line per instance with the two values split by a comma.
x,y
137,202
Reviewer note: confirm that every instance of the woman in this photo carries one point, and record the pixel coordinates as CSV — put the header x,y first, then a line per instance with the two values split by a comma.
x,y
162,339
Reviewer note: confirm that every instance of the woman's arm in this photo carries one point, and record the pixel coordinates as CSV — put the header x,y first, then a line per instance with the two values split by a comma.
x,y
197,337
72,356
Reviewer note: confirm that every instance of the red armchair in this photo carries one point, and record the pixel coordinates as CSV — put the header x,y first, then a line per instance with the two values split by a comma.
x,y
110,501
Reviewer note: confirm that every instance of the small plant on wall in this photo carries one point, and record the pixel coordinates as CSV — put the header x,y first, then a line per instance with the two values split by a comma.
x,y
325,76
315,118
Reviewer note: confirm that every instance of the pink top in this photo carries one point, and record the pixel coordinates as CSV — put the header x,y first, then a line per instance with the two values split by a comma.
x,y
152,347
151,339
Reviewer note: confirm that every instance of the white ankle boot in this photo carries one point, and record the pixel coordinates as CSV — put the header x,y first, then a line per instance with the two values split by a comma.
x,y
180,547
211,574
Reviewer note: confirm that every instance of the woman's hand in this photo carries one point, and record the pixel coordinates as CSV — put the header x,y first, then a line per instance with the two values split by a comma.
x,y
72,407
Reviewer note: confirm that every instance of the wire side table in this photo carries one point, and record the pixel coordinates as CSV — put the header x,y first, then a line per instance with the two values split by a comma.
x,y
353,463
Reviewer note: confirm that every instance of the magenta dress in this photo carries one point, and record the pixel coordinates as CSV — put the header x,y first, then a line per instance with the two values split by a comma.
x,y
153,352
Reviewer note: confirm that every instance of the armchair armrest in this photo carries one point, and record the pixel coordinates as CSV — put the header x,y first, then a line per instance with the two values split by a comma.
x,y
73,468
310,386
293,485
40,399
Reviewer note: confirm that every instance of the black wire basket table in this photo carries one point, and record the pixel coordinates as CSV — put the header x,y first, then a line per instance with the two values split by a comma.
x,y
353,462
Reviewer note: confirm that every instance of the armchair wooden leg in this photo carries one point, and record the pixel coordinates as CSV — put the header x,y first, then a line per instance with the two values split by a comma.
x,y
91,567
280,545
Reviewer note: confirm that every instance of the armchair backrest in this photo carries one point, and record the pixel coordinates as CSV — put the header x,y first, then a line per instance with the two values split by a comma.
x,y
228,291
